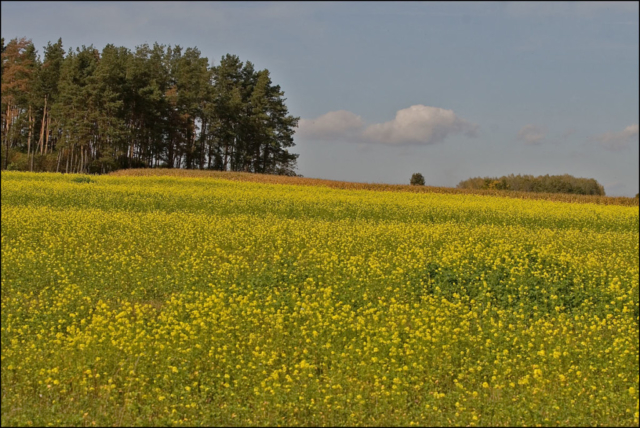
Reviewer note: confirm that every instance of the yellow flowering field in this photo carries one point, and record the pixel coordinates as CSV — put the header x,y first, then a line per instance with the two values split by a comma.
x,y
159,300
302,181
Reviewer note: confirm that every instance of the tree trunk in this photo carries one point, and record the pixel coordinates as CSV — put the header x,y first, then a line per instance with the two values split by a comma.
x,y
170,160
6,138
12,116
44,116
202,138
192,148
29,159
226,156
266,158
46,143
130,155
58,162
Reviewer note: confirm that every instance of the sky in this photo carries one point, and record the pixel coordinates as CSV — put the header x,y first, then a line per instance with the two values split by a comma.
x,y
451,90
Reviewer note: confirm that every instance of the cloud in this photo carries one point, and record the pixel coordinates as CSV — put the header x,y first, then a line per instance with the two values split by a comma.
x,y
531,135
419,125
335,125
416,125
618,140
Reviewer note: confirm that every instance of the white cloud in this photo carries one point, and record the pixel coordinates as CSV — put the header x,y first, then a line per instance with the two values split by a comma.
x,y
334,125
416,125
618,140
531,134
419,125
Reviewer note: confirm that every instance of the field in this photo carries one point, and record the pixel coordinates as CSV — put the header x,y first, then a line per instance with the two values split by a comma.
x,y
196,300
276,179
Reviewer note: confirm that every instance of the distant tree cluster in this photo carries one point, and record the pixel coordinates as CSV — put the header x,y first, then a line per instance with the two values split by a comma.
x,y
544,183
91,111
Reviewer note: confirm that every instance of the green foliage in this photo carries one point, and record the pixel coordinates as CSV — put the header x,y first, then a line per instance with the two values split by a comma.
x,y
103,165
16,161
82,179
544,183
417,179
13,166
153,106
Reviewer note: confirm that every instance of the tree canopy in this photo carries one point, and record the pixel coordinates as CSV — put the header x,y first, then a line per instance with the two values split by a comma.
x,y
544,183
417,179
89,111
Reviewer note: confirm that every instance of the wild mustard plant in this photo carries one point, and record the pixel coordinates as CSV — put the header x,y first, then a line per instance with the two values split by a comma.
x,y
200,301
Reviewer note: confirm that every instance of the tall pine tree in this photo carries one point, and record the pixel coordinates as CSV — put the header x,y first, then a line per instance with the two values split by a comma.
x,y
154,106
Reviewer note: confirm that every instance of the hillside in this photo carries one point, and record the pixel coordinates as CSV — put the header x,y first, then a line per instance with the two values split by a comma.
x,y
301,181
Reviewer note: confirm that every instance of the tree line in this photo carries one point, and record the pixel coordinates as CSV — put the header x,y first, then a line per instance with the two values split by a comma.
x,y
543,183
85,111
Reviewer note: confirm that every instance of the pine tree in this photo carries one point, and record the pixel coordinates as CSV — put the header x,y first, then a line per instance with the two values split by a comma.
x,y
228,106
278,132
47,92
107,91
77,106
160,106
18,65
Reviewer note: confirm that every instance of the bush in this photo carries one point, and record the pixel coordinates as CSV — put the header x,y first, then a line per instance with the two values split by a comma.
x,y
124,162
417,179
543,183
82,180
46,163
18,161
103,165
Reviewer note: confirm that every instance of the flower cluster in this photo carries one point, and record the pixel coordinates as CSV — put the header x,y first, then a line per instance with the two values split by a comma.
x,y
200,301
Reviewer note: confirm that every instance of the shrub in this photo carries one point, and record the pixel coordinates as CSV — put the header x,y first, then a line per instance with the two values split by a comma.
x,y
16,161
82,179
543,183
417,179
103,165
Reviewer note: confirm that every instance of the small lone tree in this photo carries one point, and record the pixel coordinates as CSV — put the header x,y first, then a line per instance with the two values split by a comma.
x,y
417,179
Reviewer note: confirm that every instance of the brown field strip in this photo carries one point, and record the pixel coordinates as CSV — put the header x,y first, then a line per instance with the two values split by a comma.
x,y
346,185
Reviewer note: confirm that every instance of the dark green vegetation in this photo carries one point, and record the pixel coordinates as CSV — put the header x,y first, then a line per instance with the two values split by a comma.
x,y
417,179
94,112
542,183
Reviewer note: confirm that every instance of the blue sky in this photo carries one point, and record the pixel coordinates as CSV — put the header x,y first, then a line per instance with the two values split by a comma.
x,y
386,89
